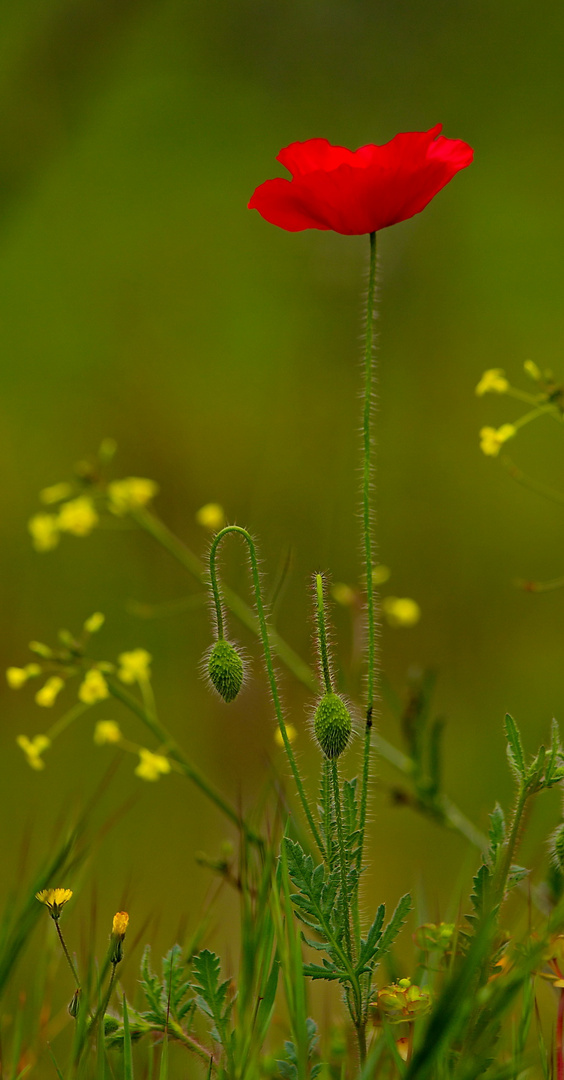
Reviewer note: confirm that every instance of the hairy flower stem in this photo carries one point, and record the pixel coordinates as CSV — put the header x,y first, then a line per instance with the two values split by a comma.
x,y
67,954
367,537
264,633
322,635
343,861
175,752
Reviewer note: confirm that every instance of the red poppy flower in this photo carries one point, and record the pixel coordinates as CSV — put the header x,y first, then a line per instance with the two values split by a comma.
x,y
360,191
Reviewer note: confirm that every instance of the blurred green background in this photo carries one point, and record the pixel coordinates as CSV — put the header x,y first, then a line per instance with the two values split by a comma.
x,y
140,299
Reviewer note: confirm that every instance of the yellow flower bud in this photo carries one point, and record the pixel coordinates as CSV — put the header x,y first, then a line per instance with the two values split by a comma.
x,y
134,666
492,439
492,381
48,693
16,677
533,370
130,494
211,516
78,516
401,611
151,766
120,923
107,731
33,749
94,623
44,531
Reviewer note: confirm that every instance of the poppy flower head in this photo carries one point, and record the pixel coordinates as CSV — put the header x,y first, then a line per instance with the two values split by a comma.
x,y
359,191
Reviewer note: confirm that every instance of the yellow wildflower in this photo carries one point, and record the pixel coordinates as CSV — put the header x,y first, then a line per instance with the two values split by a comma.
x,y
401,1001
78,516
401,611
492,381
290,732
151,766
107,731
533,370
48,693
120,923
94,623
44,531
55,899
93,688
16,677
211,516
380,574
343,594
492,439
33,749
134,666
56,493
130,493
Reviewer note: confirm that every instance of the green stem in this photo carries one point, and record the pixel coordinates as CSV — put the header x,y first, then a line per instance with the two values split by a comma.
x,y
367,536
67,954
505,867
343,861
327,815
267,656
175,752
322,635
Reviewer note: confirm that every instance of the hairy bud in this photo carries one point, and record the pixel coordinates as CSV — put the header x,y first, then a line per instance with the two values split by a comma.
x,y
225,669
332,725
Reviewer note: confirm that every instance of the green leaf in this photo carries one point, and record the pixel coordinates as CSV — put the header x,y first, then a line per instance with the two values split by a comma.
x,y
480,892
515,748
373,937
392,930
496,831
212,994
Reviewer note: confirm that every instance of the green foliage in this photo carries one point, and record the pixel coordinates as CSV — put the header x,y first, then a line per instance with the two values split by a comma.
x,y
213,995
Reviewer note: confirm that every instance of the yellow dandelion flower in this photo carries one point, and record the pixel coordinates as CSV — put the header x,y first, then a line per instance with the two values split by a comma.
x,y
94,623
48,693
56,493
16,677
290,732
130,494
151,766
107,731
343,594
120,923
401,611
55,900
492,439
44,531
211,516
93,688
493,381
33,749
134,666
533,370
78,516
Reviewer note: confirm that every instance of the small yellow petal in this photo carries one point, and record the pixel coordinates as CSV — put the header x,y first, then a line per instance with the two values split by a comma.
x,y
130,493
492,439
44,531
492,381
107,731
151,766
134,666
78,516
94,623
16,677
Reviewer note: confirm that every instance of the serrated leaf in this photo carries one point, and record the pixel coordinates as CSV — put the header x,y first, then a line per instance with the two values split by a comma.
x,y
514,747
287,1070
314,971
496,831
212,994
392,930
373,937
480,892
515,875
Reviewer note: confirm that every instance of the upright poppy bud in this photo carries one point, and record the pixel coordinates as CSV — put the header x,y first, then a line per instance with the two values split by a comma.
x,y
332,725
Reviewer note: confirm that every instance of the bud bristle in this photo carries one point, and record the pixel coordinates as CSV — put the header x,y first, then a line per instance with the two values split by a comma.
x,y
225,669
332,725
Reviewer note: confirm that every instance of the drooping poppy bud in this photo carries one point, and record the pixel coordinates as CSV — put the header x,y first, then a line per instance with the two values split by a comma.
x,y
225,669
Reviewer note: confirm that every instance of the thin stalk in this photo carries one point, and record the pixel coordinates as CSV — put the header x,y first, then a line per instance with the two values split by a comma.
x,y
500,885
186,766
343,861
267,656
67,954
367,537
322,635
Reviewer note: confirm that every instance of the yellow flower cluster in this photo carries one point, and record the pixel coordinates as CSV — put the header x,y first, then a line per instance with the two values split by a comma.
x,y
493,381
151,766
401,1001
33,749
107,731
401,611
130,494
492,439
93,688
134,666
77,516
17,676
